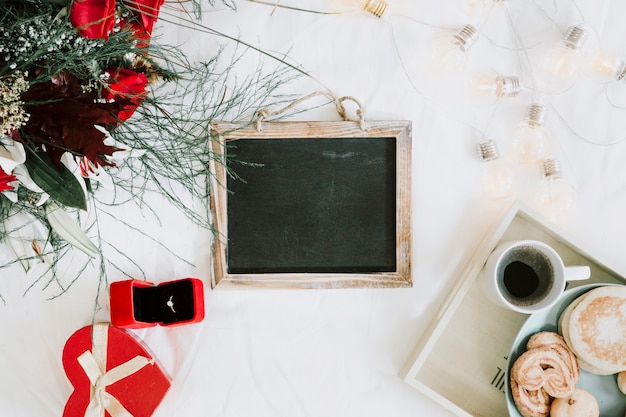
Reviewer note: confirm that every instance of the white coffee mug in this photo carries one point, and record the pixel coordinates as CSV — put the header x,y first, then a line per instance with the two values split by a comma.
x,y
527,276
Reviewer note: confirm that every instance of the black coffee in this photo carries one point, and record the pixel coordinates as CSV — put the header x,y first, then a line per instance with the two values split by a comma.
x,y
525,275
520,279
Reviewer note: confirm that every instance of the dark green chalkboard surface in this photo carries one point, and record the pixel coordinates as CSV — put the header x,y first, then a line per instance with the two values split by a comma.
x,y
313,205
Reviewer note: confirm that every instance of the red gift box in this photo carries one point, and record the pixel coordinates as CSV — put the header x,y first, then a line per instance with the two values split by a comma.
x,y
136,304
112,374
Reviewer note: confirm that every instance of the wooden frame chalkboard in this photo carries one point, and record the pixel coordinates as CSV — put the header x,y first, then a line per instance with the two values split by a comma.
x,y
311,205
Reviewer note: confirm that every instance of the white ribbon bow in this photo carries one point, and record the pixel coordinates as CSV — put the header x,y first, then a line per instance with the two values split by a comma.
x,y
94,365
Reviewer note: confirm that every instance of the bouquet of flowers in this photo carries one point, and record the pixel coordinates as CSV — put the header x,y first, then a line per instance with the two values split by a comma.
x,y
88,99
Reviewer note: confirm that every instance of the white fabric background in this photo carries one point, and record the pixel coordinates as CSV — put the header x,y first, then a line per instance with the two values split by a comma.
x,y
339,352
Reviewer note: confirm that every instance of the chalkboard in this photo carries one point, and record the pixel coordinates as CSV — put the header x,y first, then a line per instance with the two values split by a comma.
x,y
312,205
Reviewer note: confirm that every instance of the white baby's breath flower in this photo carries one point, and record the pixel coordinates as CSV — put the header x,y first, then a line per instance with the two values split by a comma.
x,y
130,56
12,113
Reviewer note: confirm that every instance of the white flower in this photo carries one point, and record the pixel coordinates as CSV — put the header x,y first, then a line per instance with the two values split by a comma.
x,y
123,151
70,163
12,154
22,175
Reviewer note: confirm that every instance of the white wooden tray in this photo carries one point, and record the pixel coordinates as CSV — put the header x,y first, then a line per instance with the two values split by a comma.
x,y
461,358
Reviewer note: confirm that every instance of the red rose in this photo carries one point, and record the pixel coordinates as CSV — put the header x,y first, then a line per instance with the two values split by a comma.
x,y
126,86
5,179
145,15
93,18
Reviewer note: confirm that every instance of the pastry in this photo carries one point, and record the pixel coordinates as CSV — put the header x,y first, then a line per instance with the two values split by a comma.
x,y
547,370
580,404
544,367
621,381
531,403
556,342
563,327
594,328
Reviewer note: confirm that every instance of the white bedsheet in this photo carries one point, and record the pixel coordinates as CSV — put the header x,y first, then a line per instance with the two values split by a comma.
x,y
327,353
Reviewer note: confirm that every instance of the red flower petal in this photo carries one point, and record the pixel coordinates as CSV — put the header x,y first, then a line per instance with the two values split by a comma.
x,y
93,18
126,85
147,12
5,179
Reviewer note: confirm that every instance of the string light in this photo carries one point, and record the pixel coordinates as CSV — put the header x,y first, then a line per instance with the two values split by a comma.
x,y
496,176
560,66
555,196
491,87
608,66
378,8
448,54
530,140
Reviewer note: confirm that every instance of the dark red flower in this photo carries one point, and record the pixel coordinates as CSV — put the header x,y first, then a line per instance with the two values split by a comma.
x,y
128,86
93,18
64,118
5,180
145,15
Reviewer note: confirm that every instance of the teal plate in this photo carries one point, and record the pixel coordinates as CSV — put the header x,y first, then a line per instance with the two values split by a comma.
x,y
604,387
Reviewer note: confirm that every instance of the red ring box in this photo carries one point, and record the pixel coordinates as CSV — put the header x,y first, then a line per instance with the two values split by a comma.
x,y
137,304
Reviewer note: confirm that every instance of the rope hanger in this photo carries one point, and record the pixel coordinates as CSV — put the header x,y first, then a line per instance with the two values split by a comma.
x,y
264,114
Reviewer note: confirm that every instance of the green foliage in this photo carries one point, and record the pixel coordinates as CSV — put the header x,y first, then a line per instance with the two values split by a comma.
x,y
182,113
59,183
167,137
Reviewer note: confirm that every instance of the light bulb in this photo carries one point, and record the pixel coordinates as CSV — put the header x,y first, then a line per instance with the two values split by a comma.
x,y
531,141
378,8
555,196
496,177
560,66
607,66
448,54
491,87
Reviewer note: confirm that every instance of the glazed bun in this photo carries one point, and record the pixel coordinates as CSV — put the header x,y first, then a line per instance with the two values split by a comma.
x,y
580,404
